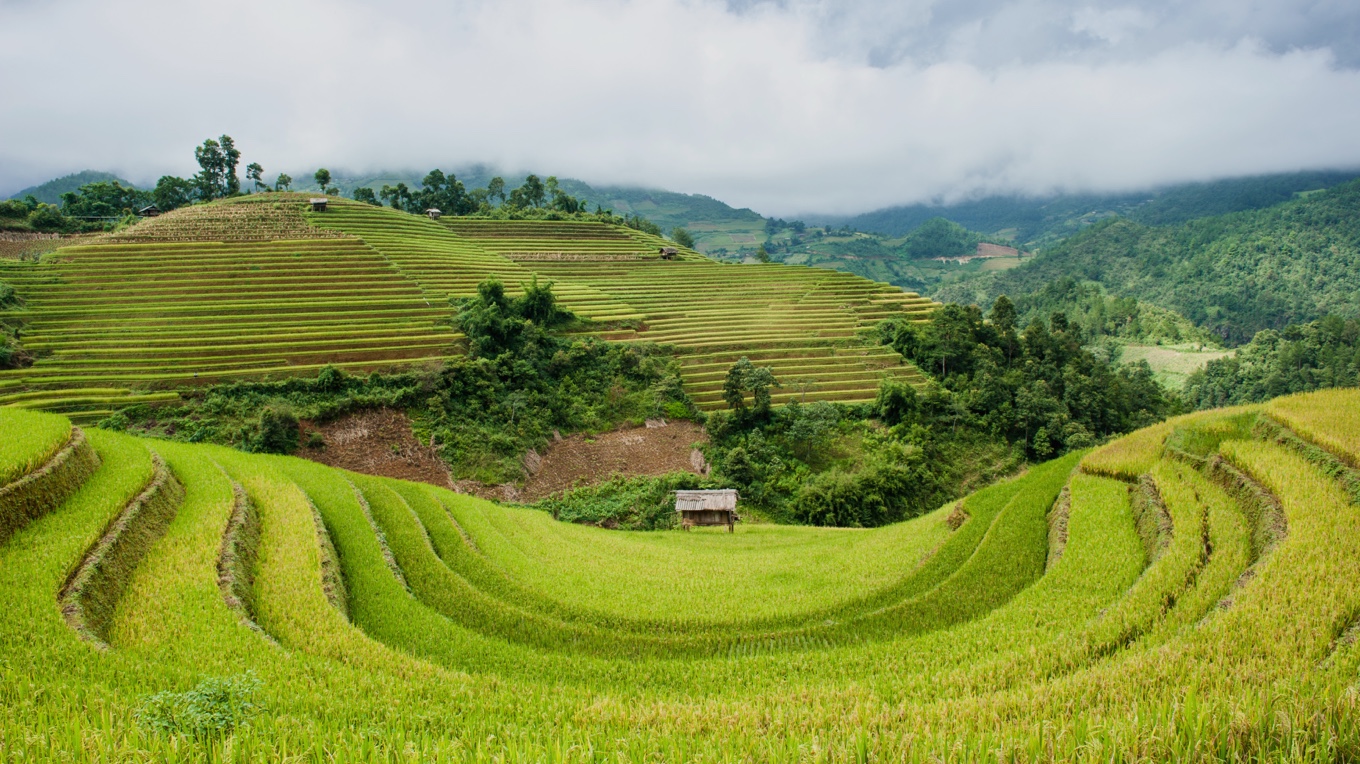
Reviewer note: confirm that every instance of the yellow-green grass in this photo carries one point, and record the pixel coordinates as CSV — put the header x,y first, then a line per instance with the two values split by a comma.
x,y
30,439
260,285
977,654
1171,364
763,570
1329,418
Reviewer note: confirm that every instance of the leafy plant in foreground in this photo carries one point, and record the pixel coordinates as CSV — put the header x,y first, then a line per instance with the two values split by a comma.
x,y
214,707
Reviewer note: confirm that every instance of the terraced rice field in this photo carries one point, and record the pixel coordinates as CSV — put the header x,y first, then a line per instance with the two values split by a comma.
x,y
258,286
1205,609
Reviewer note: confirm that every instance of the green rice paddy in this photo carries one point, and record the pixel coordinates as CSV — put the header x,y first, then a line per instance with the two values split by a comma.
x,y
1112,606
259,286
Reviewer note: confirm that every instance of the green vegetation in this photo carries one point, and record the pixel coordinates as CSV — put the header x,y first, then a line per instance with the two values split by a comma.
x,y
1037,388
957,635
1233,275
1103,316
1045,221
43,435
1301,358
51,191
997,397
255,286
636,504
938,237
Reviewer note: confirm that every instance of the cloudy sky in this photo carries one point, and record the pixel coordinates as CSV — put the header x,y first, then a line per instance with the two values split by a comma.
x,y
786,106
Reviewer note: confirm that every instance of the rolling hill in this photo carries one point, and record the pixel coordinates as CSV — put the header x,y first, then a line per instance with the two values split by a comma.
x,y
51,191
259,286
1185,593
1233,275
1043,221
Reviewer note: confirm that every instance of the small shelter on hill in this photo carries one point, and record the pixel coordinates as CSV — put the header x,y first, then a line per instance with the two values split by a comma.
x,y
149,211
669,253
434,213
318,203
707,507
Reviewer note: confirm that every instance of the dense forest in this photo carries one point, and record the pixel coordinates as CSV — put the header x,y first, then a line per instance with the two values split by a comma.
x,y
1301,358
1233,275
1104,316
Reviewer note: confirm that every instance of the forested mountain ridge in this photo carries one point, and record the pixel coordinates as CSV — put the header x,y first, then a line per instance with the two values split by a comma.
x,y
1233,274
51,191
1045,220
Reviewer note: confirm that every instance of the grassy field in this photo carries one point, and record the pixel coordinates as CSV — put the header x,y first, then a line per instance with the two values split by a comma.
x,y
259,287
1111,606
1171,364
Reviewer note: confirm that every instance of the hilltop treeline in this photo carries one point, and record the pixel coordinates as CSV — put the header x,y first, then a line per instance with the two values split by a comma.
x,y
108,204
1233,275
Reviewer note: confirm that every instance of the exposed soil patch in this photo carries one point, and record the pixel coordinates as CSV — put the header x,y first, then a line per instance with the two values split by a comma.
x,y
380,442
377,442
582,460
579,460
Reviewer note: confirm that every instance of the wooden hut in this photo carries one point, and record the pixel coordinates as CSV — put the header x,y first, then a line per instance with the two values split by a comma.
x,y
318,203
669,253
149,211
711,507
434,213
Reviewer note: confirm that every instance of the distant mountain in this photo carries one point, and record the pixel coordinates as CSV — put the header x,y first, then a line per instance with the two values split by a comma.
x,y
51,191
1232,274
1043,221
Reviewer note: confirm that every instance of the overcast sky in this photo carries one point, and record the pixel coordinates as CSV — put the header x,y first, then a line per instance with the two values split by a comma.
x,y
786,107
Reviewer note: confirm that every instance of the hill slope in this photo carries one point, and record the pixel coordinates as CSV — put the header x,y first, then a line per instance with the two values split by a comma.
x,y
257,286
1233,275
51,191
1188,596
1046,220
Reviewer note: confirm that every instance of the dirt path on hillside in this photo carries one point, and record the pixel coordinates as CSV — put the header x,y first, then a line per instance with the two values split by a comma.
x,y
380,442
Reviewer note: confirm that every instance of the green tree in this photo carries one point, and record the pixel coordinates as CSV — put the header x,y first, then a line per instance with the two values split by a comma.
x,y
275,433
398,196
104,199
897,402
762,254
495,189
255,173
172,192
532,194
211,178
284,182
682,237
323,179
231,156
48,218
217,160
745,377
367,196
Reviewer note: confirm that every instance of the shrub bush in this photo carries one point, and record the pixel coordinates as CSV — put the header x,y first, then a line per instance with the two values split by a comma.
x,y
276,433
213,708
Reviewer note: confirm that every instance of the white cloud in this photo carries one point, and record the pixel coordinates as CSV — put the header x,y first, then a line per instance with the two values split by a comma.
x,y
785,107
